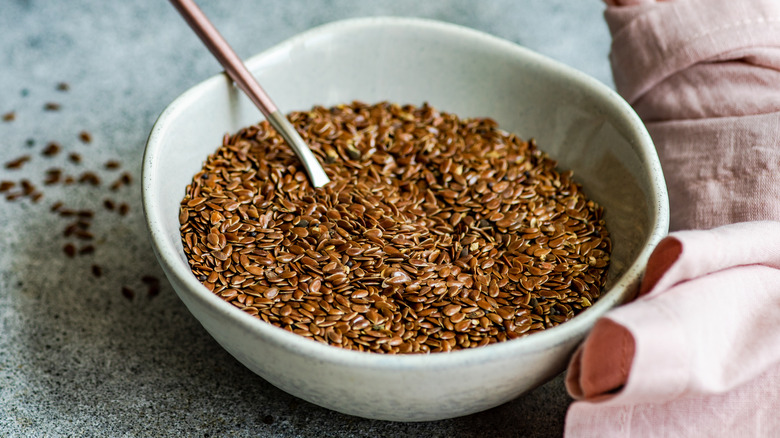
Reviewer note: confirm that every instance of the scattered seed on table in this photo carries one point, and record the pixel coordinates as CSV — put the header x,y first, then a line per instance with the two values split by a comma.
x,y
27,186
69,249
123,209
89,177
9,116
63,86
18,162
97,271
112,164
52,106
69,230
53,176
83,234
128,293
125,179
153,290
152,284
74,158
85,137
51,149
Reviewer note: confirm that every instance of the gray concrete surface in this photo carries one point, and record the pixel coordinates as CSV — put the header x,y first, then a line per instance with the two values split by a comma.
x,y
80,358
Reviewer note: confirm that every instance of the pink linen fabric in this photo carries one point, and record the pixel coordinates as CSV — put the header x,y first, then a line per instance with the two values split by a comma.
x,y
698,353
704,75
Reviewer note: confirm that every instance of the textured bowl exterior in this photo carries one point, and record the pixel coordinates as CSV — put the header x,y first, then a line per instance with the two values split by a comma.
x,y
577,120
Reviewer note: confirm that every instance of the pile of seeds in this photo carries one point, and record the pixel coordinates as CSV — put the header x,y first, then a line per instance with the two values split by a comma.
x,y
434,234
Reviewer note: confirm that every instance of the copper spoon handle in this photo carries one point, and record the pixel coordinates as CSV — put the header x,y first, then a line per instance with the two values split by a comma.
x,y
237,71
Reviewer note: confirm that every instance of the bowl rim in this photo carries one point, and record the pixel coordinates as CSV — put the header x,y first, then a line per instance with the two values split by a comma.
x,y
168,255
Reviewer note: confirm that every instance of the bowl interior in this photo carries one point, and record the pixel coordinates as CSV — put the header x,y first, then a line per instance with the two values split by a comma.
x,y
578,121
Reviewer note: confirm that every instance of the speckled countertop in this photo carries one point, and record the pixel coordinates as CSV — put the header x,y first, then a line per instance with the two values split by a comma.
x,y
98,344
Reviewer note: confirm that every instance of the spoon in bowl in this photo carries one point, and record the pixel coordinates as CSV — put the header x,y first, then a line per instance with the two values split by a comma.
x,y
237,71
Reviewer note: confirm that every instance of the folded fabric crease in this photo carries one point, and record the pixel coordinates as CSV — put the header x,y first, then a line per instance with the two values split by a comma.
x,y
698,352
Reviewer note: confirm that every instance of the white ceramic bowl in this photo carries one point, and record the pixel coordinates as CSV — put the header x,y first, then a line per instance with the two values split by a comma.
x,y
576,119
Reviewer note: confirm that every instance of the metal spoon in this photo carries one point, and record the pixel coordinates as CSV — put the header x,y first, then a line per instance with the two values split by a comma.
x,y
237,71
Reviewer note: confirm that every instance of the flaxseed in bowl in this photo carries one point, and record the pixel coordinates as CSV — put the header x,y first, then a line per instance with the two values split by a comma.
x,y
486,206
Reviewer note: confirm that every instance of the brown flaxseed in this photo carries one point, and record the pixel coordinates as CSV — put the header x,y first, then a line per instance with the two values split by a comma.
x,y
90,178
152,285
128,292
69,249
51,149
435,233
53,176
85,137
18,162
